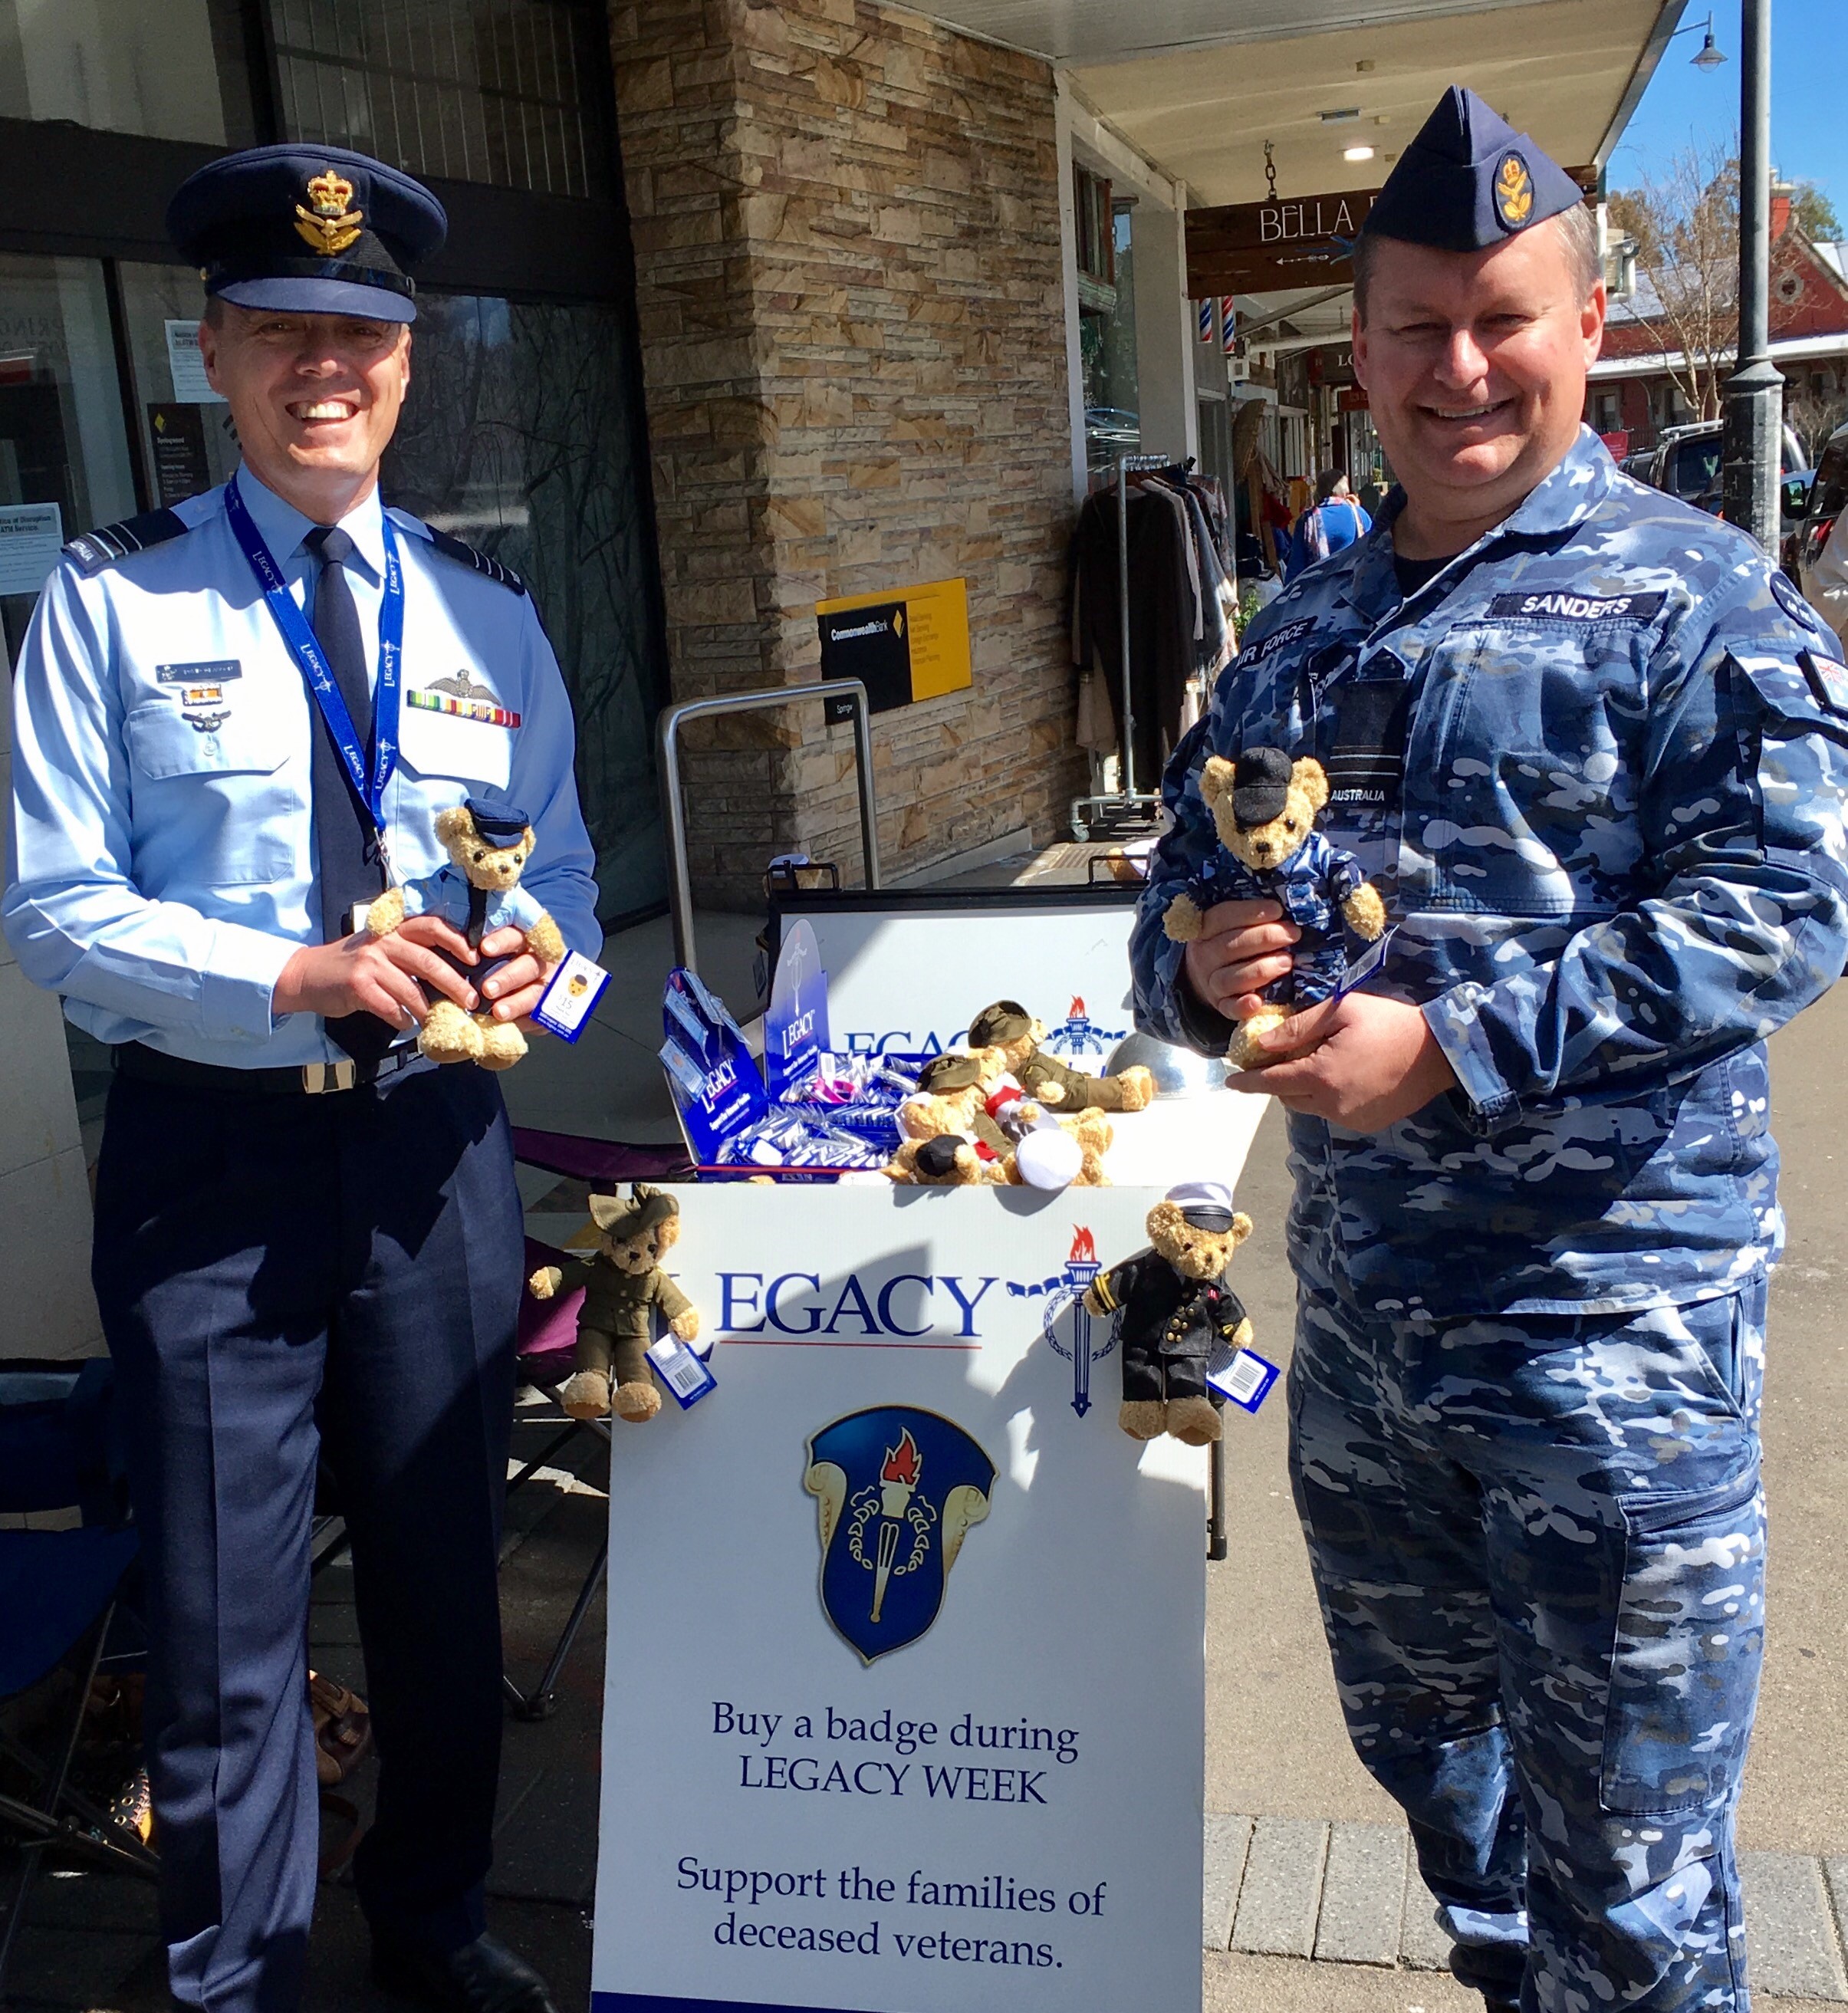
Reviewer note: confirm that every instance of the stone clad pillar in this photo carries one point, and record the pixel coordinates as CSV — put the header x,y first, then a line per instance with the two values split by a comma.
x,y
848,265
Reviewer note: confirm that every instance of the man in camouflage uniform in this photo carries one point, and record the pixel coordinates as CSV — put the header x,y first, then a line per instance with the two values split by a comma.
x,y
1593,751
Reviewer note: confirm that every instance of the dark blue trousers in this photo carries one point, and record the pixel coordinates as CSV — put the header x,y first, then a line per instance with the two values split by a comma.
x,y
280,1277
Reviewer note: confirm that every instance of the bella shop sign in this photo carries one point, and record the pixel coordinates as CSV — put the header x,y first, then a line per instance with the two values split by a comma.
x,y
1250,248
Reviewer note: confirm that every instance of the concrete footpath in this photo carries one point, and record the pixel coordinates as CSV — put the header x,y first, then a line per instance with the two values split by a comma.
x,y
1310,1904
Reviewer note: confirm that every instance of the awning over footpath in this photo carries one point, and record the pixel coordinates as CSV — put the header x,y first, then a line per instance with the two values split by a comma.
x,y
1199,87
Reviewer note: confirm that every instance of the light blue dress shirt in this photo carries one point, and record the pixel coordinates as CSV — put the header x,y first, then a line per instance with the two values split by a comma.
x,y
163,861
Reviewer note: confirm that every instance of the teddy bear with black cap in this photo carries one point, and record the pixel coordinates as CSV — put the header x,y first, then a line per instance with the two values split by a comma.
x,y
1264,807
478,892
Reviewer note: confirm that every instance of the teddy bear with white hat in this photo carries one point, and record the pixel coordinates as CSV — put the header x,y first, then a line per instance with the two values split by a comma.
x,y
1174,1307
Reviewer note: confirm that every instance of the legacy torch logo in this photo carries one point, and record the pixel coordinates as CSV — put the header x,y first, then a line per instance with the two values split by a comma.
x,y
897,1490
1067,1326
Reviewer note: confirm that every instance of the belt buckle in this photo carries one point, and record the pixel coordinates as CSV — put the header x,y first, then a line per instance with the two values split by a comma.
x,y
318,1077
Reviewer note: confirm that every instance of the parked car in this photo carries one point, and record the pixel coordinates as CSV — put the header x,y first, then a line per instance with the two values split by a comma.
x,y
1826,499
1689,462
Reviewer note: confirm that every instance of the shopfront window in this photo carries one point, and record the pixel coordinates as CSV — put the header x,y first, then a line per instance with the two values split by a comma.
x,y
518,434
493,92
171,70
1107,348
64,464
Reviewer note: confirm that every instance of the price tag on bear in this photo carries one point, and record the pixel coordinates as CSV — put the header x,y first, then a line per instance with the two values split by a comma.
x,y
564,1008
1241,1376
684,1374
1368,963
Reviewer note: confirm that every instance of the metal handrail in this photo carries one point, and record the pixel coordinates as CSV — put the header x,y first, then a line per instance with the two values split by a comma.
x,y
680,890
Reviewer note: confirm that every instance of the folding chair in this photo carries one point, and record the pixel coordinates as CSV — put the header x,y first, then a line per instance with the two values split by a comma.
x,y
58,1595
548,1335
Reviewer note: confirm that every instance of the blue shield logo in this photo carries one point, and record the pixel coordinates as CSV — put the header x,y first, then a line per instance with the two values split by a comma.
x,y
897,1490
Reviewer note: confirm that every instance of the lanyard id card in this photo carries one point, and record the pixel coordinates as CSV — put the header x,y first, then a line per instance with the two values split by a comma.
x,y
317,674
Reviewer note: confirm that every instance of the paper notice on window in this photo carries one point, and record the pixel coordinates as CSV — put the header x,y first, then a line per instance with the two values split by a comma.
x,y
31,535
190,387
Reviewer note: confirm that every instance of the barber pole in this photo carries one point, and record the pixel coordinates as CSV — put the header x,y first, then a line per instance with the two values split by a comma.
x,y
1206,321
1228,342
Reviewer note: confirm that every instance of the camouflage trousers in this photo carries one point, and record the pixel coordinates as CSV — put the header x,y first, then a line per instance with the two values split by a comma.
x,y
1539,1546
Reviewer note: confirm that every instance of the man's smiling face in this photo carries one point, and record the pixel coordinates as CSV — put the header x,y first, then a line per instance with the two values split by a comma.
x,y
315,397
1474,364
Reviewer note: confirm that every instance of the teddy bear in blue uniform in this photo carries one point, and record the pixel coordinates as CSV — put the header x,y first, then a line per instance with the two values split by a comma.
x,y
1263,806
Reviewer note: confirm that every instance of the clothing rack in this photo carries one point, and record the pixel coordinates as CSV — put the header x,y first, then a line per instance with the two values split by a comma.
x,y
1129,807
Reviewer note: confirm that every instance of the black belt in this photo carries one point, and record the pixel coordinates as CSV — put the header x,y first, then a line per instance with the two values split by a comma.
x,y
147,1065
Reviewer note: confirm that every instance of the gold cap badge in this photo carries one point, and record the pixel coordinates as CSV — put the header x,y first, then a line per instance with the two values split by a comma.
x,y
328,226
1513,192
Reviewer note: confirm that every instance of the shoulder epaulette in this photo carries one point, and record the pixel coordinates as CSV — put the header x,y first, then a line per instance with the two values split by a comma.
x,y
502,576
108,543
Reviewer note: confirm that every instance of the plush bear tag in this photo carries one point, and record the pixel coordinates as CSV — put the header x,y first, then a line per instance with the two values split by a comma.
x,y
565,1007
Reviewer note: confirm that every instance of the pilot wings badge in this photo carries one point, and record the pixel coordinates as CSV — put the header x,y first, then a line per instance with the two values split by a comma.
x,y
897,1490
326,225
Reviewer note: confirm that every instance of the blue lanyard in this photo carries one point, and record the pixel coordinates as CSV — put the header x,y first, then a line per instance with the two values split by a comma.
x,y
318,674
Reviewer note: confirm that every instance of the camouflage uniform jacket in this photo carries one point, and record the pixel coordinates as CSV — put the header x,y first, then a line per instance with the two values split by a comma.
x,y
616,1302
1597,770
1311,887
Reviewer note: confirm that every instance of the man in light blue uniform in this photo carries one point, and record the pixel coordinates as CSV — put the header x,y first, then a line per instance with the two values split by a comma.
x,y
1593,751
234,721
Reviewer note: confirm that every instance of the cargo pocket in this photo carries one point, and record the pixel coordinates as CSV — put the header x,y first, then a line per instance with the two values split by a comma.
x,y
1684,1673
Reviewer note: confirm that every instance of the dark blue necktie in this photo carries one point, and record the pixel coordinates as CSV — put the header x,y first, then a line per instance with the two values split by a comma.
x,y
346,846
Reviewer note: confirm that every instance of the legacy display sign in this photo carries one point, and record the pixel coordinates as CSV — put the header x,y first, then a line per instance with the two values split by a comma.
x,y
905,1685
906,972
902,647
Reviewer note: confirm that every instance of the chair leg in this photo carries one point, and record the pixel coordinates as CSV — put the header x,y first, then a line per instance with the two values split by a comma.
x,y
541,1701
32,1852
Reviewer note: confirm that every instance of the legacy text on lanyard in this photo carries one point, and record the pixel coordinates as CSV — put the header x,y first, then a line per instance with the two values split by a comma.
x,y
318,675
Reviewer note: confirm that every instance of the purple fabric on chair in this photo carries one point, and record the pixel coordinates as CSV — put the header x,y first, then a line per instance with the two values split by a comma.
x,y
547,1328
576,1158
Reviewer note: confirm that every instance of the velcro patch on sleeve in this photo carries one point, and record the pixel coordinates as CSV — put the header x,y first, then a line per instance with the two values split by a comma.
x,y
1827,680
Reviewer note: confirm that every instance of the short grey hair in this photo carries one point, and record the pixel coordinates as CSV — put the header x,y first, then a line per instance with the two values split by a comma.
x,y
1578,230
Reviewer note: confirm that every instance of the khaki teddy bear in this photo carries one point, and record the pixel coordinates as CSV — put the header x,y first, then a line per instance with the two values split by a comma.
x,y
1264,806
478,892
623,1282
1175,1307
1007,1025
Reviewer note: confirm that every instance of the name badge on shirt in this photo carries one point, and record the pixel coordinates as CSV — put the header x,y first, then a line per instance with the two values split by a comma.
x,y
207,671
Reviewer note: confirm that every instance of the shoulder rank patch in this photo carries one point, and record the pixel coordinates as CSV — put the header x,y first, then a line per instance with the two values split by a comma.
x,y
454,548
108,543
1560,607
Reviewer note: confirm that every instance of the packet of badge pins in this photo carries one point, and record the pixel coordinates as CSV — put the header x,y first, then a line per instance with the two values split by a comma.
x,y
733,1131
805,1077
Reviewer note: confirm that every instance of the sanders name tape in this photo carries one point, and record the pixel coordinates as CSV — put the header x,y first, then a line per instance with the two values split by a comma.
x,y
565,1005
1243,1377
682,1370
